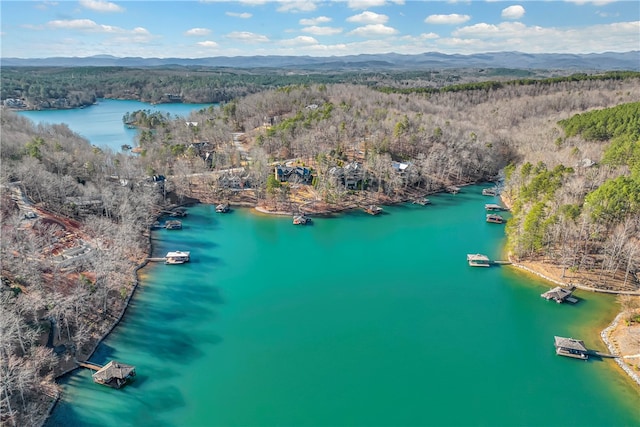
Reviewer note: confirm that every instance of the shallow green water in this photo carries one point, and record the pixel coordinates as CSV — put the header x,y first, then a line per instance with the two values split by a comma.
x,y
354,320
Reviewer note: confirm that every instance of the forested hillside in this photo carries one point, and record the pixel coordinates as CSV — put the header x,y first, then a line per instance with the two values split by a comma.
x,y
569,150
586,215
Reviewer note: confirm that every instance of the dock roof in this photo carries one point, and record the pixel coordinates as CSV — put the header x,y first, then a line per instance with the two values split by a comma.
x,y
570,343
114,370
557,292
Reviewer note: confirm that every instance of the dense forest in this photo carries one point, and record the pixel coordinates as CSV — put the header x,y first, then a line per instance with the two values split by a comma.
x,y
62,87
567,152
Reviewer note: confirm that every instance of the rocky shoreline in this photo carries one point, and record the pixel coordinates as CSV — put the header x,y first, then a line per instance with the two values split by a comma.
x,y
605,334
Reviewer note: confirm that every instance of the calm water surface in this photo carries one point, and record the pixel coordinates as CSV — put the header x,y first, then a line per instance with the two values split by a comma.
x,y
102,123
352,321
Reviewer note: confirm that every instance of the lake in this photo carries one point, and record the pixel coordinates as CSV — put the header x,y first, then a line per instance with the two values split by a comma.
x,y
352,321
102,123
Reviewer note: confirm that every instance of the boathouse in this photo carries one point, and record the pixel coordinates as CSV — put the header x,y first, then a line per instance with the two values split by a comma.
x,y
570,347
301,220
373,209
177,257
114,374
495,218
559,294
223,208
173,224
493,207
478,260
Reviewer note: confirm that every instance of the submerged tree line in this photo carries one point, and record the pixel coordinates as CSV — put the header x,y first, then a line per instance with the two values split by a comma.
x,y
568,151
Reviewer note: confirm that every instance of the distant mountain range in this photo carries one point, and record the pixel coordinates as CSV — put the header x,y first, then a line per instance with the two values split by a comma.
x,y
388,61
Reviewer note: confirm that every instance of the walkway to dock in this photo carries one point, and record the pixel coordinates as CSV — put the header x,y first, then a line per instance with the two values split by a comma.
x,y
156,259
89,365
600,354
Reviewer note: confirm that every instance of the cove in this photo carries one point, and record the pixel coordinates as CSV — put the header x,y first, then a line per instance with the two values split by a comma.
x,y
352,321
102,123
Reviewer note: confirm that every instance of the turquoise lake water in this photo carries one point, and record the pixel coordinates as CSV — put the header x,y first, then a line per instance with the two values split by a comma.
x,y
102,123
351,321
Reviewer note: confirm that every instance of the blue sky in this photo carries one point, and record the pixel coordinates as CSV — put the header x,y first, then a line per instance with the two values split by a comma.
x,y
194,29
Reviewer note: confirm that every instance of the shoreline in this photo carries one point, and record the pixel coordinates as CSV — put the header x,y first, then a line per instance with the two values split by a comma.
x,y
606,332
635,377
136,283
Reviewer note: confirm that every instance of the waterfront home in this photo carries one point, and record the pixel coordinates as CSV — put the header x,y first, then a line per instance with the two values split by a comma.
x,y
114,374
177,257
478,260
495,218
293,174
570,347
559,294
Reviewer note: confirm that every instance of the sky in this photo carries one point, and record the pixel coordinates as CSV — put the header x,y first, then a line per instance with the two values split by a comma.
x,y
209,28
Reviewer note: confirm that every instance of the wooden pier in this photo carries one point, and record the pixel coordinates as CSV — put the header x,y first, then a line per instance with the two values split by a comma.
x,y
157,259
89,365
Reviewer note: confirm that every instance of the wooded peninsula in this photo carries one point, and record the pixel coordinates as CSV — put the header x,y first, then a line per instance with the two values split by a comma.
x,y
564,151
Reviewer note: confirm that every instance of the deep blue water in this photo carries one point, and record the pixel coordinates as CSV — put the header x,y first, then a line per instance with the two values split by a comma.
x,y
102,123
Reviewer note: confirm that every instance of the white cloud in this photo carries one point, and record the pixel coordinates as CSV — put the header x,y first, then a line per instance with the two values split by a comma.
x,y
246,36
82,25
453,18
373,30
101,6
45,5
251,2
367,17
322,31
364,4
244,15
594,2
197,32
507,36
296,6
207,43
513,12
299,41
315,21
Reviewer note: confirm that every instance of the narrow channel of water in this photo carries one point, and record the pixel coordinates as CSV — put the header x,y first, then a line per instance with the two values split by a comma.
x,y
352,321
